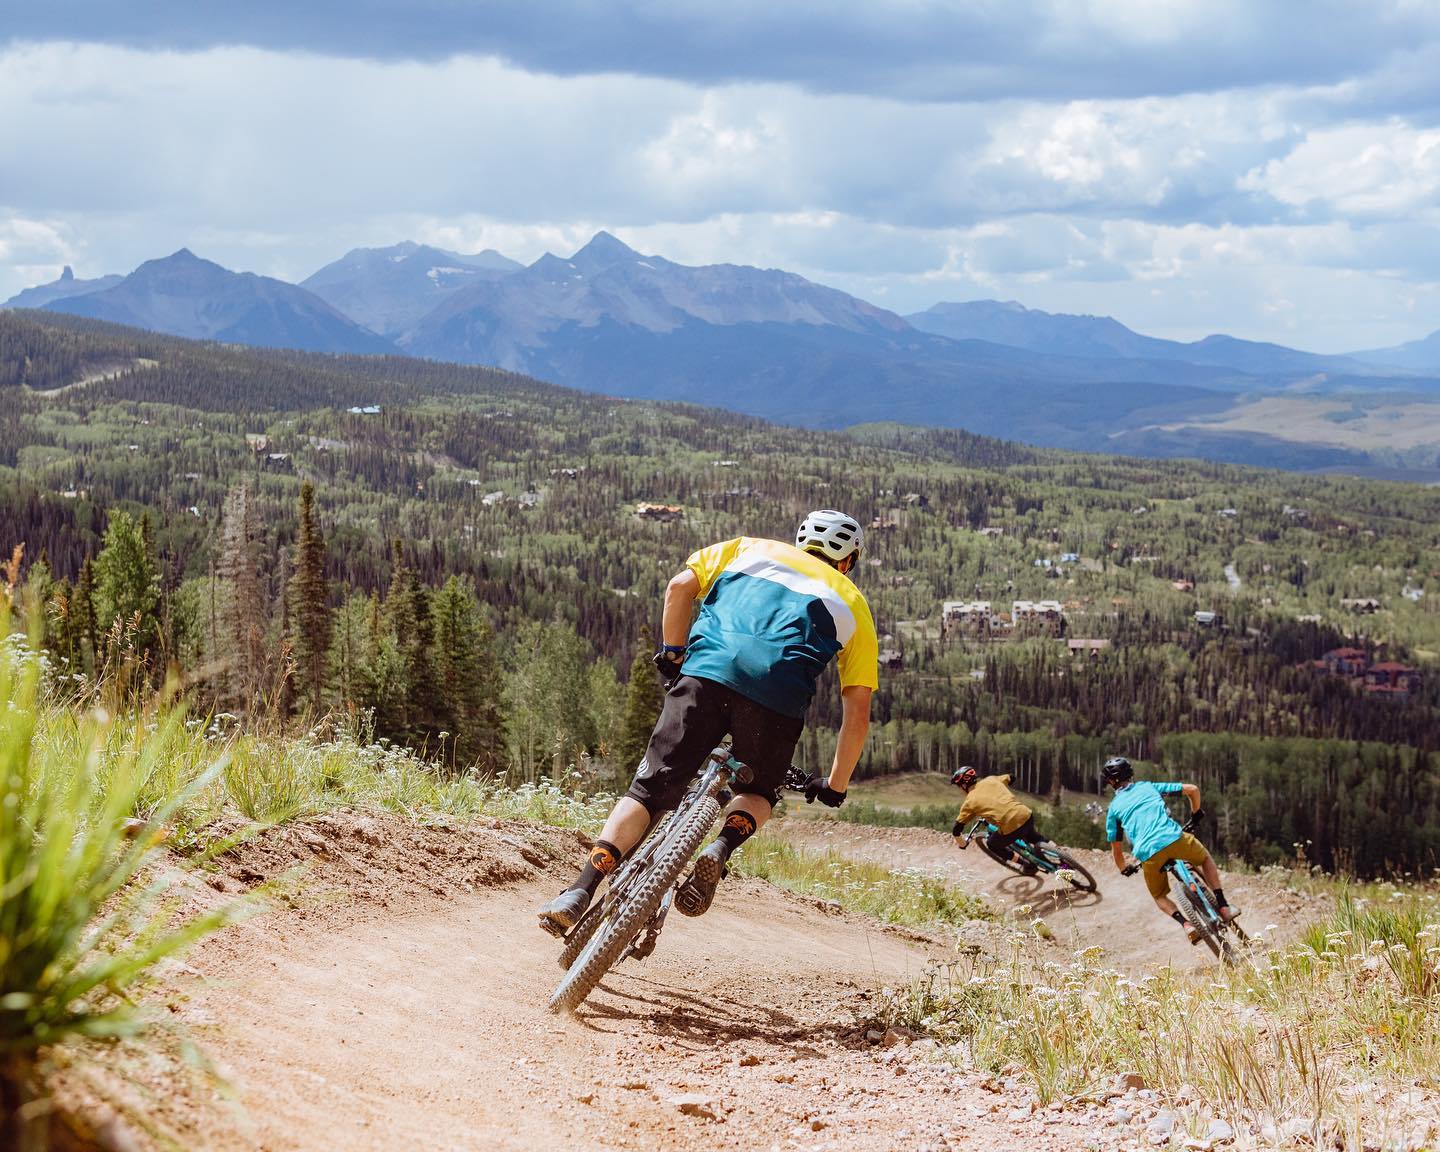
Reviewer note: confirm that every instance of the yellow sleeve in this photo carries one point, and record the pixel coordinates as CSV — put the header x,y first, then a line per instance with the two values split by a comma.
x,y
860,659
967,812
1005,779
708,563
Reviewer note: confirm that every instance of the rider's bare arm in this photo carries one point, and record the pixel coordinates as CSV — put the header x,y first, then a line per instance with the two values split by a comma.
x,y
1118,853
680,596
1192,794
854,724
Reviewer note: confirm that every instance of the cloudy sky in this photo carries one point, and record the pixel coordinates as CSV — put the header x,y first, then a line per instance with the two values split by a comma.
x,y
1271,170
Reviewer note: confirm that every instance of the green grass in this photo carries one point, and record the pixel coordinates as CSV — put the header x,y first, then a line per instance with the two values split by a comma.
x,y
88,908
1303,1035
894,897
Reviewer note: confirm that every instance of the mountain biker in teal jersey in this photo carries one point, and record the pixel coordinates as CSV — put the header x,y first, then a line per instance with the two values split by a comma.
x,y
1138,812
772,617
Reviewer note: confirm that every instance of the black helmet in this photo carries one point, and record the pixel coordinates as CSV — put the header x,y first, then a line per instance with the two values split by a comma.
x,y
1117,770
964,777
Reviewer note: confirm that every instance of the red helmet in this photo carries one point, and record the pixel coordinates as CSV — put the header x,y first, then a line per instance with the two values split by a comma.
x,y
964,777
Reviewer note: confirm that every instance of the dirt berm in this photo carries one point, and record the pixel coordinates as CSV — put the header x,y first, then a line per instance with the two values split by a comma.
x,y
395,999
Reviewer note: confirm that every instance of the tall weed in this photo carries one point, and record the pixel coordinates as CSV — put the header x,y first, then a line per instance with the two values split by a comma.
x,y
83,915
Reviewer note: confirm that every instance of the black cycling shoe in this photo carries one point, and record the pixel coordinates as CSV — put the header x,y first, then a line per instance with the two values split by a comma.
x,y
696,894
561,914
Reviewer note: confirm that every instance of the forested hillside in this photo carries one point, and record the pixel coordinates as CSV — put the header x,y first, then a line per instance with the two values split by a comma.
x,y
471,573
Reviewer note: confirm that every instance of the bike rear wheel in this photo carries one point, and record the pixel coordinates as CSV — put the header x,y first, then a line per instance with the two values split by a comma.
x,y
1079,876
622,922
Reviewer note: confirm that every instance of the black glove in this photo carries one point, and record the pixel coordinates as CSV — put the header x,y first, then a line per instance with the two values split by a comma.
x,y
1196,816
1130,869
668,665
818,788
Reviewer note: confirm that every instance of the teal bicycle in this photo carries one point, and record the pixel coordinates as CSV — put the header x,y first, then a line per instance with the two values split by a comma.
x,y
1197,904
1032,858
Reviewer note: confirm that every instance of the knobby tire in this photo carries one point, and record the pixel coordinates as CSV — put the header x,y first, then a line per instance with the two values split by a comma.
x,y
633,910
1005,861
1208,932
585,928
581,933
1081,880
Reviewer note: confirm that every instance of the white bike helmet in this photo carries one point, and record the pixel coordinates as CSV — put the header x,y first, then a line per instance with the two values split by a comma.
x,y
830,534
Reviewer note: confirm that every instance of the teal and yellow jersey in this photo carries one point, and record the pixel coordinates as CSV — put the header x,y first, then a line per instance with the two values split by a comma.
x,y
771,618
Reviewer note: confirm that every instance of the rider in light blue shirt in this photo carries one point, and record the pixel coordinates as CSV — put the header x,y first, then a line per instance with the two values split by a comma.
x,y
1138,812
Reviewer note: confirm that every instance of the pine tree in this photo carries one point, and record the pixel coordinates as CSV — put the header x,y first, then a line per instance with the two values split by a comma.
x,y
243,613
643,700
82,611
468,679
127,587
310,607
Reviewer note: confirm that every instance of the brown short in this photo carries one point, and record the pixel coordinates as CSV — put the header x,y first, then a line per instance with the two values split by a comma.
x,y
1187,848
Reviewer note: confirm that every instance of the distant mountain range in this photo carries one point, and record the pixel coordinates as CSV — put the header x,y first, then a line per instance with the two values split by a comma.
x,y
186,296
1100,336
389,289
44,295
773,344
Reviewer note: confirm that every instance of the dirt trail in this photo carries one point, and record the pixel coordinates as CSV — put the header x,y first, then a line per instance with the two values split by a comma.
x,y
396,1000
1120,916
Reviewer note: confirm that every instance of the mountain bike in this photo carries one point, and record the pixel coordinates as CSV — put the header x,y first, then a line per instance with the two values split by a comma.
x,y
1040,857
1197,904
627,921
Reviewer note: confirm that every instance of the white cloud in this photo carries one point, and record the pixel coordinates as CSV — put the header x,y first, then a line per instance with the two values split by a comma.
x,y
1390,170
1178,214
31,251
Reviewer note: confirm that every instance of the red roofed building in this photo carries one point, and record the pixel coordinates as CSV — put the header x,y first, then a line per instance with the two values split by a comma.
x,y
1345,662
1392,679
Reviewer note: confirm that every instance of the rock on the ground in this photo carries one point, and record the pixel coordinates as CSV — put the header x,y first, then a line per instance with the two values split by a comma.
x,y
1160,1128
694,1104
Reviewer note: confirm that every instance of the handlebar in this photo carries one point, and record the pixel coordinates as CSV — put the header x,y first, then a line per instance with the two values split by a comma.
x,y
795,779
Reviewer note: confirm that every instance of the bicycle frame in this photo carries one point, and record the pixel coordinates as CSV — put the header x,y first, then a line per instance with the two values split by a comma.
x,y
1192,883
1021,846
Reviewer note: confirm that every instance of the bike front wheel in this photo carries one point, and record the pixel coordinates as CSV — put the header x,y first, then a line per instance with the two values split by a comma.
x,y
580,935
1209,931
632,910
1004,859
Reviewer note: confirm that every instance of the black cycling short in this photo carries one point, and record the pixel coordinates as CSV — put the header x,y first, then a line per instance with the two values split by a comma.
x,y
1001,841
697,715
